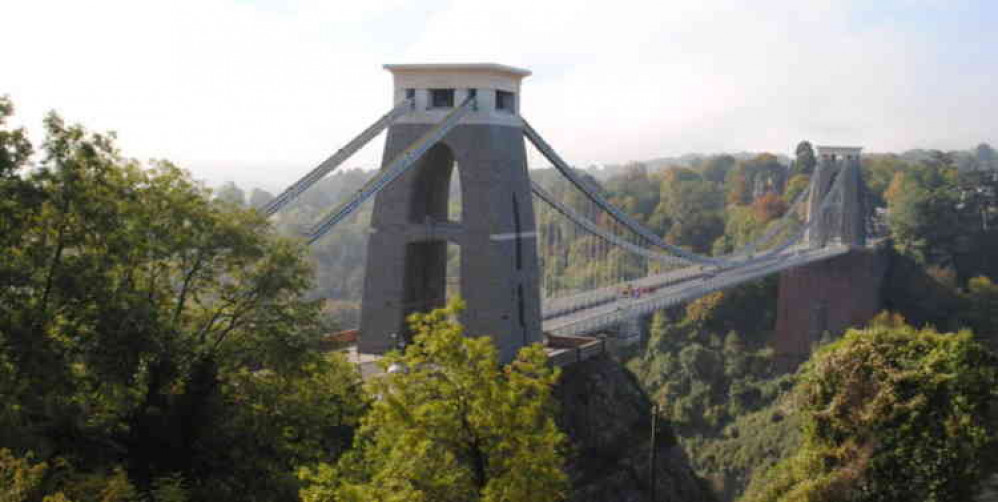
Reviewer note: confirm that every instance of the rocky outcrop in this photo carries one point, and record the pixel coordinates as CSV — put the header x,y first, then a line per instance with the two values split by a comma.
x,y
608,419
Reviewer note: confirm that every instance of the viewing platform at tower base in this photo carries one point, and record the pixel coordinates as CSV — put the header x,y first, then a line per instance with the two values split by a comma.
x,y
562,351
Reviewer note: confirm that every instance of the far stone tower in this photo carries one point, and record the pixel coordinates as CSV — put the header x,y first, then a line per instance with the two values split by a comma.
x,y
408,250
845,221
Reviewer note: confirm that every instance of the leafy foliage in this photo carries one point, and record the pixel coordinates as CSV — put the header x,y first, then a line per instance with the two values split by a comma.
x,y
453,425
23,479
980,311
695,208
747,447
891,413
715,380
805,161
769,207
701,370
137,319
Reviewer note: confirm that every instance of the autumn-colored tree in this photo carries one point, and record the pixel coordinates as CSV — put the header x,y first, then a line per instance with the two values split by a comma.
x,y
878,171
703,309
899,183
769,207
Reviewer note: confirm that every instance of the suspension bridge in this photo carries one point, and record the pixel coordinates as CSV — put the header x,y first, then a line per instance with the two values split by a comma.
x,y
537,260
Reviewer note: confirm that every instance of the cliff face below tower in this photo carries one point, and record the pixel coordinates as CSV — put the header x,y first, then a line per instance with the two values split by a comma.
x,y
608,419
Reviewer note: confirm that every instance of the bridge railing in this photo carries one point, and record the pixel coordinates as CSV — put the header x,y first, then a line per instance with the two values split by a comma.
x,y
564,305
619,312
746,256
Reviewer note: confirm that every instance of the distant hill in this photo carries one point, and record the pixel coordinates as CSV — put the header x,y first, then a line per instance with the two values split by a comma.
x,y
606,171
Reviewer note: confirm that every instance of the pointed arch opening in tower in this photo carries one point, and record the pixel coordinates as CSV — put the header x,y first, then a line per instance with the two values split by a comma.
x,y
456,202
436,191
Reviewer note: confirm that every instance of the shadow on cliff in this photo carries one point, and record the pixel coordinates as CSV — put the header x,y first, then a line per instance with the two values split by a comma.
x,y
608,418
923,299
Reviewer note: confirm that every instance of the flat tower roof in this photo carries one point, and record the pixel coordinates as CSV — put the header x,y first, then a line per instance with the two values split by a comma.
x,y
458,67
837,149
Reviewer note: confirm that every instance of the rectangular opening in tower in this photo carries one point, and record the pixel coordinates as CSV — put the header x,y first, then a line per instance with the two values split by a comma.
x,y
453,281
505,101
441,98
425,282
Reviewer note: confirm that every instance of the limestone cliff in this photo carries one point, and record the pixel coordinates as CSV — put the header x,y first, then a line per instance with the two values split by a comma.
x,y
608,418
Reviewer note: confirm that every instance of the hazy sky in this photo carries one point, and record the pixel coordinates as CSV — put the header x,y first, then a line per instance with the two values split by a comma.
x,y
261,90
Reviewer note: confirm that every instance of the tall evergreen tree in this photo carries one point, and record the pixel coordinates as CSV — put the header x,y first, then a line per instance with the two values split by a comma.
x,y
805,160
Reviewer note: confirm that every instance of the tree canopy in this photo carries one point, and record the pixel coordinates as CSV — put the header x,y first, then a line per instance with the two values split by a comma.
x,y
891,412
806,160
143,328
449,423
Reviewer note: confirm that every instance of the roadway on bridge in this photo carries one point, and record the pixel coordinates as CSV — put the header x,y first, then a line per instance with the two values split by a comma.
x,y
602,316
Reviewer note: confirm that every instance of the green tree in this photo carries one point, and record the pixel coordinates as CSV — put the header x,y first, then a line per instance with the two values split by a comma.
x,y
15,149
231,193
131,305
635,191
716,168
805,161
270,423
658,329
24,479
890,413
694,207
453,425
923,216
981,312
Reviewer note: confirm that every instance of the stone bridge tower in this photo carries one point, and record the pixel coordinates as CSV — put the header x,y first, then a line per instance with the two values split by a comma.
x,y
407,252
845,222
830,295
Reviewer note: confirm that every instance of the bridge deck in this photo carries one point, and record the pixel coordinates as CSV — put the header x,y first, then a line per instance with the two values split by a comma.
x,y
615,310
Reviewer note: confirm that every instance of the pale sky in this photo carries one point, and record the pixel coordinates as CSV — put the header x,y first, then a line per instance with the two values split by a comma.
x,y
260,91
